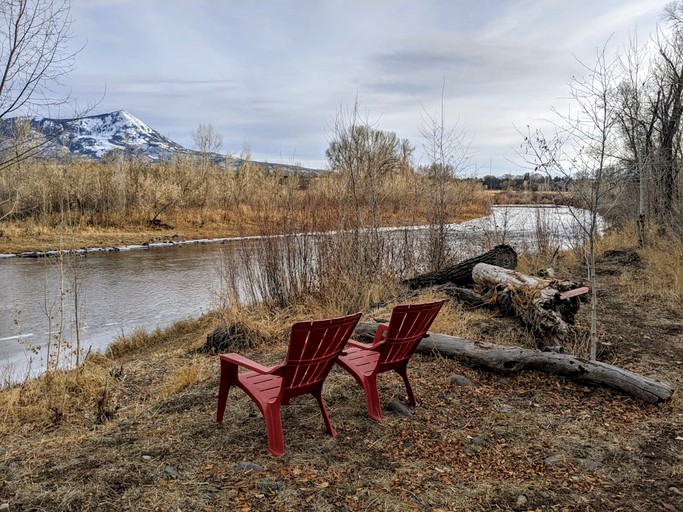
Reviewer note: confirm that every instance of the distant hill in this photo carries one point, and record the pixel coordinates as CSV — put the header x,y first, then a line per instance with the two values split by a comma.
x,y
100,136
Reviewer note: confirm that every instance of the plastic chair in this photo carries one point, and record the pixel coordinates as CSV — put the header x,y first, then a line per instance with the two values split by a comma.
x,y
313,349
392,348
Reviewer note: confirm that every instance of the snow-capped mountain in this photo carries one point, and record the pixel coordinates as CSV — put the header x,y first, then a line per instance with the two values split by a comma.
x,y
98,136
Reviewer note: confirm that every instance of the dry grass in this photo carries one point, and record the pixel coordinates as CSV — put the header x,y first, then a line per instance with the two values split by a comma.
x,y
465,448
94,204
76,440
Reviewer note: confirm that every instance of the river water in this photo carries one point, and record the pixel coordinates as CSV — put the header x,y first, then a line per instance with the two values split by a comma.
x,y
119,292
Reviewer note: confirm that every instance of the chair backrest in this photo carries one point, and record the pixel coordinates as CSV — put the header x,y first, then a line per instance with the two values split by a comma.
x,y
313,348
407,326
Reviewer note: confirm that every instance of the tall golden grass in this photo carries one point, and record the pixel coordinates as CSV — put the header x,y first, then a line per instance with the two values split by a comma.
x,y
42,197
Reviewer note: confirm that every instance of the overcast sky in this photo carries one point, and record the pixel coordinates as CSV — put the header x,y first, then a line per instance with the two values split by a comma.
x,y
272,74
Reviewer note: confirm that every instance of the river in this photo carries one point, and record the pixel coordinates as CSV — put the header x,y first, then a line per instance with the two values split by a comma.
x,y
121,291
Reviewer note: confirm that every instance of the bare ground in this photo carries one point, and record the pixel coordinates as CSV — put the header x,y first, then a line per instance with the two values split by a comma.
x,y
524,442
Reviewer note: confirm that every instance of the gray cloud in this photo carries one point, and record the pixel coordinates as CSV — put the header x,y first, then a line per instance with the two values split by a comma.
x,y
274,72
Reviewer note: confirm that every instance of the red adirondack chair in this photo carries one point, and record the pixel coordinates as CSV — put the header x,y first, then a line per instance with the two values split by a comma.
x,y
407,326
313,349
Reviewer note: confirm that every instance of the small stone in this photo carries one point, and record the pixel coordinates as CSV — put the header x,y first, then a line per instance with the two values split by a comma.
x,y
522,500
399,408
479,441
267,486
552,460
4,469
125,425
589,463
250,466
4,506
504,408
170,472
2,451
146,458
209,495
675,490
460,380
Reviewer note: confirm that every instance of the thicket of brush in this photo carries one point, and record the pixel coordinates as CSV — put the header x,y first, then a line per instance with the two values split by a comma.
x,y
128,192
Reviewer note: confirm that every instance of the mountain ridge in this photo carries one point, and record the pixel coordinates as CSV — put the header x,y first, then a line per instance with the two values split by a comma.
x,y
100,136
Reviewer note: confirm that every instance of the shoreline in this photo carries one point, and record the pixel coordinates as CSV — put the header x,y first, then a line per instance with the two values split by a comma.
x,y
176,241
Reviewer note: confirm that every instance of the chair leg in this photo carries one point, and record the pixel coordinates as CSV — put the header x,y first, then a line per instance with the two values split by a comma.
x,y
276,443
403,372
318,394
372,397
228,375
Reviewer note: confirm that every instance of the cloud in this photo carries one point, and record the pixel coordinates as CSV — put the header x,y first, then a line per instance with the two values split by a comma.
x,y
274,72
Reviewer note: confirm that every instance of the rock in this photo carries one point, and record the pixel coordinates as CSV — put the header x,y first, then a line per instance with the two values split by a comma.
x,y
521,501
589,463
2,451
4,469
460,380
267,486
170,472
399,408
675,490
125,425
479,441
504,408
250,466
4,506
146,458
553,459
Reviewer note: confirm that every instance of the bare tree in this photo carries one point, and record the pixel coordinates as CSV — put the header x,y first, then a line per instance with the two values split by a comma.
x,y
207,139
447,149
366,157
34,57
583,147
209,142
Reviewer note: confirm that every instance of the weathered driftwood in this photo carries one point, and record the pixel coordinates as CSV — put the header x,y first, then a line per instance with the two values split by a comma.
x,y
515,359
461,274
547,307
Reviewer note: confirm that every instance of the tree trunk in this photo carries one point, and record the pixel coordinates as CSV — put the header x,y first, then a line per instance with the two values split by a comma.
x,y
461,274
516,359
547,307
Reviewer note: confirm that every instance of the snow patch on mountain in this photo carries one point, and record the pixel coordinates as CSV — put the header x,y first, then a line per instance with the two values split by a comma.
x,y
99,136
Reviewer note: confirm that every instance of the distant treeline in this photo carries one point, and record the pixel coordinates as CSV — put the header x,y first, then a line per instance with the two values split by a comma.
x,y
528,182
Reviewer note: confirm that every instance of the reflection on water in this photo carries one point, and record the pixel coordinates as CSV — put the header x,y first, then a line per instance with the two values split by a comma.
x,y
119,292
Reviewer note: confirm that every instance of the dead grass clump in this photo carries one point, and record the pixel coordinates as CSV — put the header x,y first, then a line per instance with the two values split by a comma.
x,y
75,397
181,377
662,275
183,333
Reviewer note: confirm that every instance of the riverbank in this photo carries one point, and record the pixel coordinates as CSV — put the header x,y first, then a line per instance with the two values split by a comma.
x,y
135,429
18,238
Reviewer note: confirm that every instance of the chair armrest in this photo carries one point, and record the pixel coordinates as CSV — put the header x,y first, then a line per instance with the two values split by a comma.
x,y
358,344
381,331
247,363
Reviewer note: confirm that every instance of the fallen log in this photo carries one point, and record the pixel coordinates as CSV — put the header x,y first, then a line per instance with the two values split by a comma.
x,y
467,296
547,307
461,274
516,359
